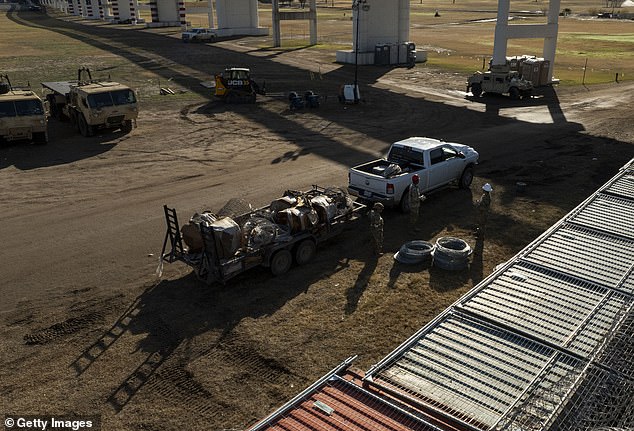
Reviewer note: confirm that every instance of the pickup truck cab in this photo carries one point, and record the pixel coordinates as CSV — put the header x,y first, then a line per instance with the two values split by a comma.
x,y
198,35
437,164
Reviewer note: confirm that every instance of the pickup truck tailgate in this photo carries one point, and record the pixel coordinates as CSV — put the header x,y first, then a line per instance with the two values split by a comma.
x,y
367,185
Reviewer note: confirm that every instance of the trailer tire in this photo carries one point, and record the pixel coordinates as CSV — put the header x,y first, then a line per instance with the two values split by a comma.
x,y
305,252
281,262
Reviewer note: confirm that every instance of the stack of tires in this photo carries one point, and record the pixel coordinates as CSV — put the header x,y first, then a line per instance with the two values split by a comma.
x,y
413,252
451,253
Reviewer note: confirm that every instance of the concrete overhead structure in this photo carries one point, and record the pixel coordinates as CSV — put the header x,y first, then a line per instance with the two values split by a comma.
x,y
548,31
167,13
376,22
310,15
238,18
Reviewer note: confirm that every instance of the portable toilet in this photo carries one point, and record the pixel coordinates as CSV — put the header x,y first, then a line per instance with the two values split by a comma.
x,y
382,54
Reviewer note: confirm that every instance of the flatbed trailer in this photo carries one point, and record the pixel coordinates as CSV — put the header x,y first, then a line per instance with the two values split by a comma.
x,y
299,247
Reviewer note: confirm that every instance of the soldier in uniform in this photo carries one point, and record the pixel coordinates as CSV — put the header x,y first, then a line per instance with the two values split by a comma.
x,y
415,198
483,205
376,227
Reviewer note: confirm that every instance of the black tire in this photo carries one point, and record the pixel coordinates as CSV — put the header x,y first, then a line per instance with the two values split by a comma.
x,y
281,262
232,98
526,94
514,93
40,138
465,180
84,128
126,127
443,262
476,90
452,248
404,204
305,252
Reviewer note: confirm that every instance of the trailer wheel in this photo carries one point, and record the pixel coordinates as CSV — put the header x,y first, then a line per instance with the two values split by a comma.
x,y
305,252
281,262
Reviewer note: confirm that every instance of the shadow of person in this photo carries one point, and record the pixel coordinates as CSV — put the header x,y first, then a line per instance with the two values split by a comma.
x,y
476,269
354,293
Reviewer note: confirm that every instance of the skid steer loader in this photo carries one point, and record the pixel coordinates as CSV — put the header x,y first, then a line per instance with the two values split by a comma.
x,y
235,85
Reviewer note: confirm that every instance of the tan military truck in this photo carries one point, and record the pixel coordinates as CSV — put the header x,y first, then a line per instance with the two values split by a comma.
x,y
22,114
91,105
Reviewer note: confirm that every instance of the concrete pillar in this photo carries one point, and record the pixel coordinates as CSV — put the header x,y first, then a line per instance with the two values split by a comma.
x,y
210,14
134,11
379,22
115,10
313,22
548,31
501,32
102,14
277,37
182,13
92,11
71,7
550,42
238,17
154,11
278,16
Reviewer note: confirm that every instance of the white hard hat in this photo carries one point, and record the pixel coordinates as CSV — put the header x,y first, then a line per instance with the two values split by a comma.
x,y
487,187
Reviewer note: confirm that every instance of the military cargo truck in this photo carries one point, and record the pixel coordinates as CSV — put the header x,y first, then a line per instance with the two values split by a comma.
x,y
91,105
22,114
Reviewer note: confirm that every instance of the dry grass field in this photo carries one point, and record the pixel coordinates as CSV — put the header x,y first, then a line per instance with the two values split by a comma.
x,y
86,326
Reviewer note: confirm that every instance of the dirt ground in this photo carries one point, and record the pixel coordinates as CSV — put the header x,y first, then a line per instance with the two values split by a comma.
x,y
89,329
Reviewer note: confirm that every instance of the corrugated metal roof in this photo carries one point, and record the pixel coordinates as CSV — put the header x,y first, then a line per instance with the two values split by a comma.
x,y
470,369
607,213
585,253
554,307
339,404
623,185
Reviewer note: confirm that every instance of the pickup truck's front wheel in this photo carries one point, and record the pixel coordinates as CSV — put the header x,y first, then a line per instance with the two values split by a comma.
x,y
466,178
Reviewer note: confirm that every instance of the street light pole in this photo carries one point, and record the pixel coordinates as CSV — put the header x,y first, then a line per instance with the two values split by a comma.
x,y
357,5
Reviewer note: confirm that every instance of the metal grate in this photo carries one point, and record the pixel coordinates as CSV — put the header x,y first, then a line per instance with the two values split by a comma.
x,y
471,369
587,254
623,185
551,306
609,214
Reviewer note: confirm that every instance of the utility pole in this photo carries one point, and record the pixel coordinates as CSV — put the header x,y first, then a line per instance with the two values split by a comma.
x,y
357,5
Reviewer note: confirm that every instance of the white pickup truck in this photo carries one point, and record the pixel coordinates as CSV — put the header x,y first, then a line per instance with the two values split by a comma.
x,y
198,35
437,164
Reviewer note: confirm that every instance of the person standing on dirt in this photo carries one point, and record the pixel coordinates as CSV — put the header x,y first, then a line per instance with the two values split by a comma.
x,y
415,198
483,205
376,227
